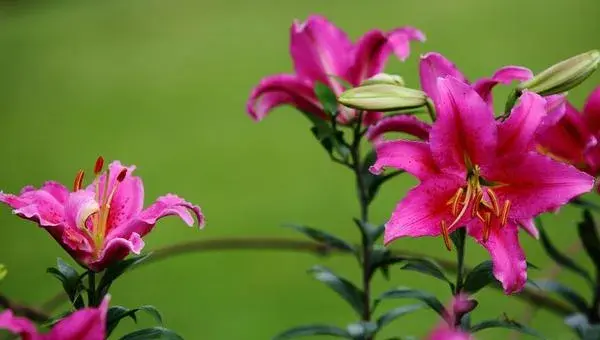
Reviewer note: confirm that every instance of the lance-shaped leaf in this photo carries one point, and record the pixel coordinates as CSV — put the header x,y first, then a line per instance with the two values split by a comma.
x,y
70,279
310,330
117,313
395,313
565,292
346,289
408,293
328,137
323,237
479,277
326,97
362,330
153,333
581,325
427,267
508,324
558,257
589,237
382,258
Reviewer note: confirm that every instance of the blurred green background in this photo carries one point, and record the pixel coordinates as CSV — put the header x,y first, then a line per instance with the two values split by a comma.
x,y
163,85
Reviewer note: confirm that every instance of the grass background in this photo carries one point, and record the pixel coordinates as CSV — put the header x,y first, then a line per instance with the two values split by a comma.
x,y
163,85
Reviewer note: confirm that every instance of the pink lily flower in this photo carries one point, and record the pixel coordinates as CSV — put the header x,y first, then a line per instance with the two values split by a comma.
x,y
321,52
448,330
574,138
102,223
479,173
84,324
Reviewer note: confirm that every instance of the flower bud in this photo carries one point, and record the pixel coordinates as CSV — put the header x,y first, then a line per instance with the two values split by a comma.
x,y
383,97
384,78
565,75
3,271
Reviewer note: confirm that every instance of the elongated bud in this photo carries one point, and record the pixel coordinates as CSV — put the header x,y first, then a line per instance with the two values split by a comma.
x,y
383,97
384,78
565,75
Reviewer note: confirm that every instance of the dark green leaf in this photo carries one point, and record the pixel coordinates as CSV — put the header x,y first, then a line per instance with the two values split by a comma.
x,y
560,258
589,237
70,279
382,258
565,292
395,313
327,98
313,330
117,313
151,334
362,330
114,271
479,277
579,323
346,289
323,237
585,204
508,324
403,292
427,267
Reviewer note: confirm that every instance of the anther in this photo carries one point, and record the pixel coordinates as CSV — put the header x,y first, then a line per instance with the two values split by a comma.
x,y
99,164
494,201
121,175
456,201
476,202
78,180
445,235
504,215
487,226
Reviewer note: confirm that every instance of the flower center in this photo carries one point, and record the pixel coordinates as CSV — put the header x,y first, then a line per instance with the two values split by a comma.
x,y
476,200
94,222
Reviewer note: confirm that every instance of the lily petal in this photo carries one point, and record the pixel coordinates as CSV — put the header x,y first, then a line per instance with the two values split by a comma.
x,y
319,49
537,184
116,249
283,89
19,326
164,206
84,324
423,209
374,47
465,129
504,75
433,66
510,266
555,110
412,156
529,226
39,206
79,207
517,133
446,333
401,123
591,110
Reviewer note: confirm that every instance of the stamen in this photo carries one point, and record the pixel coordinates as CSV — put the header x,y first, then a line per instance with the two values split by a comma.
x,y
462,212
98,166
504,215
476,202
494,201
78,180
487,226
446,236
456,201
121,175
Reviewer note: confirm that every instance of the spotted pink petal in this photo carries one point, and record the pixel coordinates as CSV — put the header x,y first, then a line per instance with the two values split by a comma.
x,y
84,324
39,206
591,111
401,123
510,266
465,129
412,156
423,209
283,89
433,66
516,135
504,75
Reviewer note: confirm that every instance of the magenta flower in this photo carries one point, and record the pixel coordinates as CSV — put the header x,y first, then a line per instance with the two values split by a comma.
x,y
448,330
84,324
103,223
574,138
481,174
322,52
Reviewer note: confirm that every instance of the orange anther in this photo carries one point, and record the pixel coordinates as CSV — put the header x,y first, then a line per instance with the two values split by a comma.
x,y
445,235
78,180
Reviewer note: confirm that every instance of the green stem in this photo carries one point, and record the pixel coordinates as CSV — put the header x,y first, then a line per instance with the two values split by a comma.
x,y
92,289
460,265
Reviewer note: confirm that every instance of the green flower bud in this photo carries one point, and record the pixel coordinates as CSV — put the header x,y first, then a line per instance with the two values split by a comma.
x,y
384,78
565,75
383,97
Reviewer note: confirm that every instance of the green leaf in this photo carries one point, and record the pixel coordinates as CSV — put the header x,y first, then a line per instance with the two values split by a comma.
x,y
427,267
327,98
362,329
382,258
313,330
346,289
589,237
395,313
458,238
70,279
117,313
563,260
114,271
565,292
508,324
3,271
151,334
580,324
403,292
479,277
323,237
